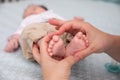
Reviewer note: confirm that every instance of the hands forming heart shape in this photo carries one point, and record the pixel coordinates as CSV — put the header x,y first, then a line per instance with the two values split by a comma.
x,y
57,47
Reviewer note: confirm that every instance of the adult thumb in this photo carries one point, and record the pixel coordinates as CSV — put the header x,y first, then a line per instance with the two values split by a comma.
x,y
84,53
70,60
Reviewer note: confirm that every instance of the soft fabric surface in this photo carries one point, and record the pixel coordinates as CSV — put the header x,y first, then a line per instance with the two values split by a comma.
x,y
104,15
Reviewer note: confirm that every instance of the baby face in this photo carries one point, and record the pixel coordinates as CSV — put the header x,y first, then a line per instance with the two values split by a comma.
x,y
33,10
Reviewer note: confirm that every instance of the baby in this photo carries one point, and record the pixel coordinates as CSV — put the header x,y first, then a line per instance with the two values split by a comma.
x,y
35,26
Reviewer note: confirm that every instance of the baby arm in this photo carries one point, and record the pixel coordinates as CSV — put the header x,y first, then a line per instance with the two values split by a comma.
x,y
13,43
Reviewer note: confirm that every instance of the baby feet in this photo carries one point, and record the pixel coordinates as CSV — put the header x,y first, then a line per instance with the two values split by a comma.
x,y
78,43
57,47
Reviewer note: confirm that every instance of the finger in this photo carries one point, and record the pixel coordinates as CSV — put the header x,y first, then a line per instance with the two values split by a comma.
x,y
86,52
65,28
44,46
16,44
36,53
10,47
78,18
49,36
45,57
70,26
70,60
56,22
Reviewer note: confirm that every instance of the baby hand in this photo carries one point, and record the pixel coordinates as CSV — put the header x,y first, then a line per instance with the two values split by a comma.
x,y
12,45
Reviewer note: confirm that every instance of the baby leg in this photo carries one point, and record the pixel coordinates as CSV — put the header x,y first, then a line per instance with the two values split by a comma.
x,y
78,43
56,47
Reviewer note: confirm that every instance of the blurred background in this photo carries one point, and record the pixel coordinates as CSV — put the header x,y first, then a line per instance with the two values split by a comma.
x,y
103,14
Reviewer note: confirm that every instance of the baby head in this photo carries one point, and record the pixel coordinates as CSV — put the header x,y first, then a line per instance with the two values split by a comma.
x,y
34,9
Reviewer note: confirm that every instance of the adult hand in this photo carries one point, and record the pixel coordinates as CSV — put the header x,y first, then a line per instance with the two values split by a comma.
x,y
52,69
99,41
